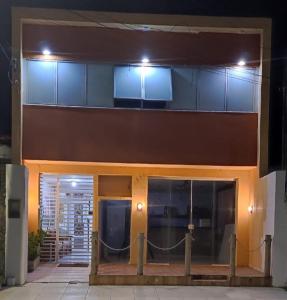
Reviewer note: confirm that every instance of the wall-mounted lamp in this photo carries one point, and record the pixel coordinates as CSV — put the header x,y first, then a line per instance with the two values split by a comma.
x,y
250,209
140,206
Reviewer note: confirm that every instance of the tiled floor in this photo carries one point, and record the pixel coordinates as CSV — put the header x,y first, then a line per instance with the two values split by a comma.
x,y
80,291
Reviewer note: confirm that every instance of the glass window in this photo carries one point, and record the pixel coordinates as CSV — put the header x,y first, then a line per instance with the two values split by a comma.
x,y
208,205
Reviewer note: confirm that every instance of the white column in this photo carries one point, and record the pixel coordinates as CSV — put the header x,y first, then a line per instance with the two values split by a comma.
x,y
16,223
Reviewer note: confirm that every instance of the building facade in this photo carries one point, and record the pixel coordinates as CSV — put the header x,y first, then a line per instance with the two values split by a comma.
x,y
128,124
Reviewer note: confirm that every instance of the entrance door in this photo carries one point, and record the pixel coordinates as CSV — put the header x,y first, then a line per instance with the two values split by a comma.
x,y
66,205
115,223
208,205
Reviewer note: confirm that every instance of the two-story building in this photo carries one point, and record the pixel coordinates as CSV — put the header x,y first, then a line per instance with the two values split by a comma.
x,y
133,123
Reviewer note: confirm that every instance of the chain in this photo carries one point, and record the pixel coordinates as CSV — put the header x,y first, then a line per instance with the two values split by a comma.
x,y
252,250
165,249
116,249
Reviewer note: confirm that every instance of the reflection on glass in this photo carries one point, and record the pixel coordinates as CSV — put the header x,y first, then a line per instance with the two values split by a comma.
x,y
168,217
115,222
173,204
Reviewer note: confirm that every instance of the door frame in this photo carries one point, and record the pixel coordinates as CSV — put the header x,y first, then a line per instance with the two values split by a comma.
x,y
98,200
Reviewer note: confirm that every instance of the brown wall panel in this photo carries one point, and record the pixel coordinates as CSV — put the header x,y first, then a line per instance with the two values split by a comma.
x,y
139,136
129,46
115,186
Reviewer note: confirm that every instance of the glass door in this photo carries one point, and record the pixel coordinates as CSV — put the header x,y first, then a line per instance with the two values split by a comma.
x,y
114,230
174,204
213,216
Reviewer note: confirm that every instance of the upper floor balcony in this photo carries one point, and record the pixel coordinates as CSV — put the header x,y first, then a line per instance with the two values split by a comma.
x,y
140,114
170,111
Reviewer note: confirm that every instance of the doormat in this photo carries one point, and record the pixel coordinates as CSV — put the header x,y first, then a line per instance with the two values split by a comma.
x,y
81,265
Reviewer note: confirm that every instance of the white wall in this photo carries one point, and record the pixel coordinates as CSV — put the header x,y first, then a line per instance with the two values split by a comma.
x,y
272,188
16,228
279,246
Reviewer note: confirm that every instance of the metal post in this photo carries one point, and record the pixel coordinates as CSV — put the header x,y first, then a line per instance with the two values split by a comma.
x,y
233,255
267,263
95,253
140,254
187,258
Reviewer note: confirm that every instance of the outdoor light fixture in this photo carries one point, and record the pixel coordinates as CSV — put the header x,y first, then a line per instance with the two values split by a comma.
x,y
46,52
250,209
145,61
241,63
139,206
74,183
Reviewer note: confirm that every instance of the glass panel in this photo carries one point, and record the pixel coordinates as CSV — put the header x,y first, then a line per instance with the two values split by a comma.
x,y
40,82
71,84
100,85
169,213
127,82
240,89
157,83
168,218
115,223
213,215
184,89
211,89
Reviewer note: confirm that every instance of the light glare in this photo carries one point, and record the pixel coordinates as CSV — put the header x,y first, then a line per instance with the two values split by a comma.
x,y
241,63
74,183
139,206
46,52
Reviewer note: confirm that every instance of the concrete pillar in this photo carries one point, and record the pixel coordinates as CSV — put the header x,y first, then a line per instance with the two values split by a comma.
x,y
17,223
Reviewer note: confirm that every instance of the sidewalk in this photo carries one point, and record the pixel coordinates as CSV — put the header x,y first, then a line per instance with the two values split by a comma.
x,y
81,291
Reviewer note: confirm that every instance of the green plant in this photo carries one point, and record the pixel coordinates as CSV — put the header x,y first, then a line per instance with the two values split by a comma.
x,y
34,242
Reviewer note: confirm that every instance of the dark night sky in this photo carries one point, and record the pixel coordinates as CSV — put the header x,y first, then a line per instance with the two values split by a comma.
x,y
250,8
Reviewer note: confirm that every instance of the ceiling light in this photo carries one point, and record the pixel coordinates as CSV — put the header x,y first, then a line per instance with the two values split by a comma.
x,y
145,61
74,183
241,63
46,52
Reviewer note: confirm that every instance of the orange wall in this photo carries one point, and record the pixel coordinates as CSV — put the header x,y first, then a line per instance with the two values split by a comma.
x,y
140,174
139,136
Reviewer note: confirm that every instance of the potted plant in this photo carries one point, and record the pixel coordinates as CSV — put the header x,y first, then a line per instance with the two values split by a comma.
x,y
34,242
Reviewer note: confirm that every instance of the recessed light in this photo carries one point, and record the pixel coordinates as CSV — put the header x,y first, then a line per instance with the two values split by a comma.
x,y
241,63
46,52
74,183
145,61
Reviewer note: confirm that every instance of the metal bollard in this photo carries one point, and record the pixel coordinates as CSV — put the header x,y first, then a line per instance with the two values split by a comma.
x,y
187,254
140,254
95,253
233,255
267,262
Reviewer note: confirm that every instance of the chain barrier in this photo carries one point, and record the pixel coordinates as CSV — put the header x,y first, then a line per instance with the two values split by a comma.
x,y
165,249
252,250
116,249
